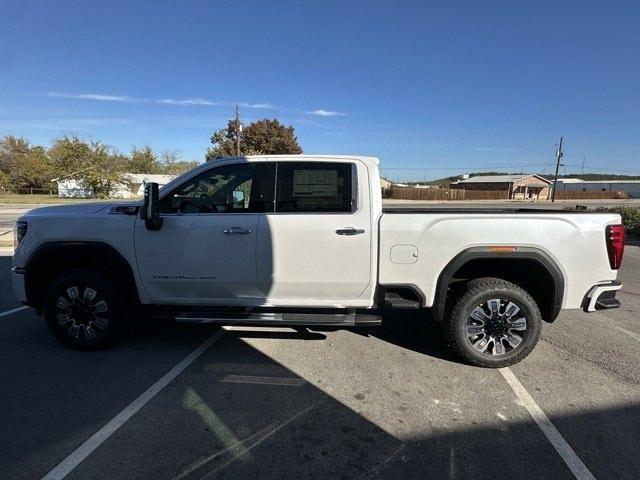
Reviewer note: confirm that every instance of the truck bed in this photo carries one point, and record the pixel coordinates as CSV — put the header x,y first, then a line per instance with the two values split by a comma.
x,y
417,243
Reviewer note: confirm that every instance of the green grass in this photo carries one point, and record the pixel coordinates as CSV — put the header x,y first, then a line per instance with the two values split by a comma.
x,y
13,198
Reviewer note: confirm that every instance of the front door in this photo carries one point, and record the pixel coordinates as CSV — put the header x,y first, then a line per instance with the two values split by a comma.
x,y
205,252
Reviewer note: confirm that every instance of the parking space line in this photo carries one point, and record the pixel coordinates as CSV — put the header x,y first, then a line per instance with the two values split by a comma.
x,y
15,310
257,380
83,451
579,469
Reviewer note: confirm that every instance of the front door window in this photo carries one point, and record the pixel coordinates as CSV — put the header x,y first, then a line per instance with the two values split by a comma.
x,y
236,188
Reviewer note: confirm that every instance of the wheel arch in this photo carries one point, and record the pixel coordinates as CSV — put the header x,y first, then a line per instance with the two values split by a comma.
x,y
546,283
51,259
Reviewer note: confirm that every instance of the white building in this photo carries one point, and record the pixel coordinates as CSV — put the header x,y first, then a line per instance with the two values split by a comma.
x,y
631,187
133,187
385,184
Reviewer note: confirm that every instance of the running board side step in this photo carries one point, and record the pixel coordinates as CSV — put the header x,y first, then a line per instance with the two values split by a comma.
x,y
281,318
401,299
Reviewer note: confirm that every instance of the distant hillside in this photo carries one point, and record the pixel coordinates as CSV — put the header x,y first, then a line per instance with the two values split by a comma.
x,y
585,176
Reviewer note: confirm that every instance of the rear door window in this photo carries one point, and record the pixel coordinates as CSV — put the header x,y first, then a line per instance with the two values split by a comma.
x,y
319,187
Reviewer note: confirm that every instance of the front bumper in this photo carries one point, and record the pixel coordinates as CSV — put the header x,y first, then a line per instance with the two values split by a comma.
x,y
602,296
18,283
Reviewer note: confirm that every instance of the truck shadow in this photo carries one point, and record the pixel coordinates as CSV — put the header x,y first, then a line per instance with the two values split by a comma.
x,y
414,330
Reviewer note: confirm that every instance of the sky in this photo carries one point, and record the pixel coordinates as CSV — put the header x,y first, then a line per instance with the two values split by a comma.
x,y
431,88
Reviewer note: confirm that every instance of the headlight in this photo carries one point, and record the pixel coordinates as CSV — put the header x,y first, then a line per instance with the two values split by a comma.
x,y
19,231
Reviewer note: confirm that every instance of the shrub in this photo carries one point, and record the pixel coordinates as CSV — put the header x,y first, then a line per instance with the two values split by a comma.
x,y
630,218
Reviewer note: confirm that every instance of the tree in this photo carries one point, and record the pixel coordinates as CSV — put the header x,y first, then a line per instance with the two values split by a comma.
x,y
263,137
5,181
170,164
270,137
35,170
68,154
94,165
104,169
11,151
224,142
24,166
143,160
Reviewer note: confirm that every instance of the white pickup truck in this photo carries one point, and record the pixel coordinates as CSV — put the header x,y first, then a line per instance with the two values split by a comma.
x,y
305,240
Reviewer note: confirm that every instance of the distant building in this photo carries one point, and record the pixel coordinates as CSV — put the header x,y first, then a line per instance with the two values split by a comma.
x,y
630,187
385,184
519,187
133,186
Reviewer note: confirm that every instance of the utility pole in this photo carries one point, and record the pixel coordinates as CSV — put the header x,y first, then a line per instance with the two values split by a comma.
x,y
238,130
583,160
555,180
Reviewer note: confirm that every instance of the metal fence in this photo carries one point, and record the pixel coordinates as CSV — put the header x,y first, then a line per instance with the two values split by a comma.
x,y
569,195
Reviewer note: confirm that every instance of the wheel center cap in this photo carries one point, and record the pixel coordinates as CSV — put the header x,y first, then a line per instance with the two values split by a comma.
x,y
495,326
81,314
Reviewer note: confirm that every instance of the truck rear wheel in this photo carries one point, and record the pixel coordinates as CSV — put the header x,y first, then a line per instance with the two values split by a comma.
x,y
84,309
494,323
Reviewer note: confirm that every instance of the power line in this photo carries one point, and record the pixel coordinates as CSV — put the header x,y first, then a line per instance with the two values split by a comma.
x,y
595,167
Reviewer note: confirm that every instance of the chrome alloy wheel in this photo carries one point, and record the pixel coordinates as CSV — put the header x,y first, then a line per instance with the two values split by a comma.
x,y
496,327
82,314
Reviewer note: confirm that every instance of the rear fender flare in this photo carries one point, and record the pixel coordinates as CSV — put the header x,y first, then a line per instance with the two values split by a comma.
x,y
519,253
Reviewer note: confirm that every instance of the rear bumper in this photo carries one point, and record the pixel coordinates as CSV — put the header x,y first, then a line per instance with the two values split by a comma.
x,y
602,296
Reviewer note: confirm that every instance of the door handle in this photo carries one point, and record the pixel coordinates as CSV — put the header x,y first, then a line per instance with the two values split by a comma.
x,y
350,231
236,231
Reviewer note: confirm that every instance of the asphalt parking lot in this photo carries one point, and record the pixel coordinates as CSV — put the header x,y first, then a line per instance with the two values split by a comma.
x,y
282,403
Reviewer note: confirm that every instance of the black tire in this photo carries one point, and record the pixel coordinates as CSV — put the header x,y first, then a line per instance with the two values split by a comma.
x,y
496,331
79,318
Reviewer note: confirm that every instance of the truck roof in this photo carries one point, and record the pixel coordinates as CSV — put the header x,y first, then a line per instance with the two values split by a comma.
x,y
302,157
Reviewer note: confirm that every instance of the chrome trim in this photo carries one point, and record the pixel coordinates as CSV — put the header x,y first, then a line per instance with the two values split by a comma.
x,y
236,231
124,210
598,290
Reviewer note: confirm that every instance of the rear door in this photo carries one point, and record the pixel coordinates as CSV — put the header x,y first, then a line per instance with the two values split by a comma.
x,y
315,248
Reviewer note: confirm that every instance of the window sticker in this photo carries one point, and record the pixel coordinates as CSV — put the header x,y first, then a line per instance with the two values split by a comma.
x,y
315,183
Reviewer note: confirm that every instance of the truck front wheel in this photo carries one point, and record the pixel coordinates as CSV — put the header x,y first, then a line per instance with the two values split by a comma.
x,y
84,309
494,323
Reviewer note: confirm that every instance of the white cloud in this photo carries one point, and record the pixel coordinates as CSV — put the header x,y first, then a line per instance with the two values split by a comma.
x,y
326,113
256,105
172,101
188,101
94,96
